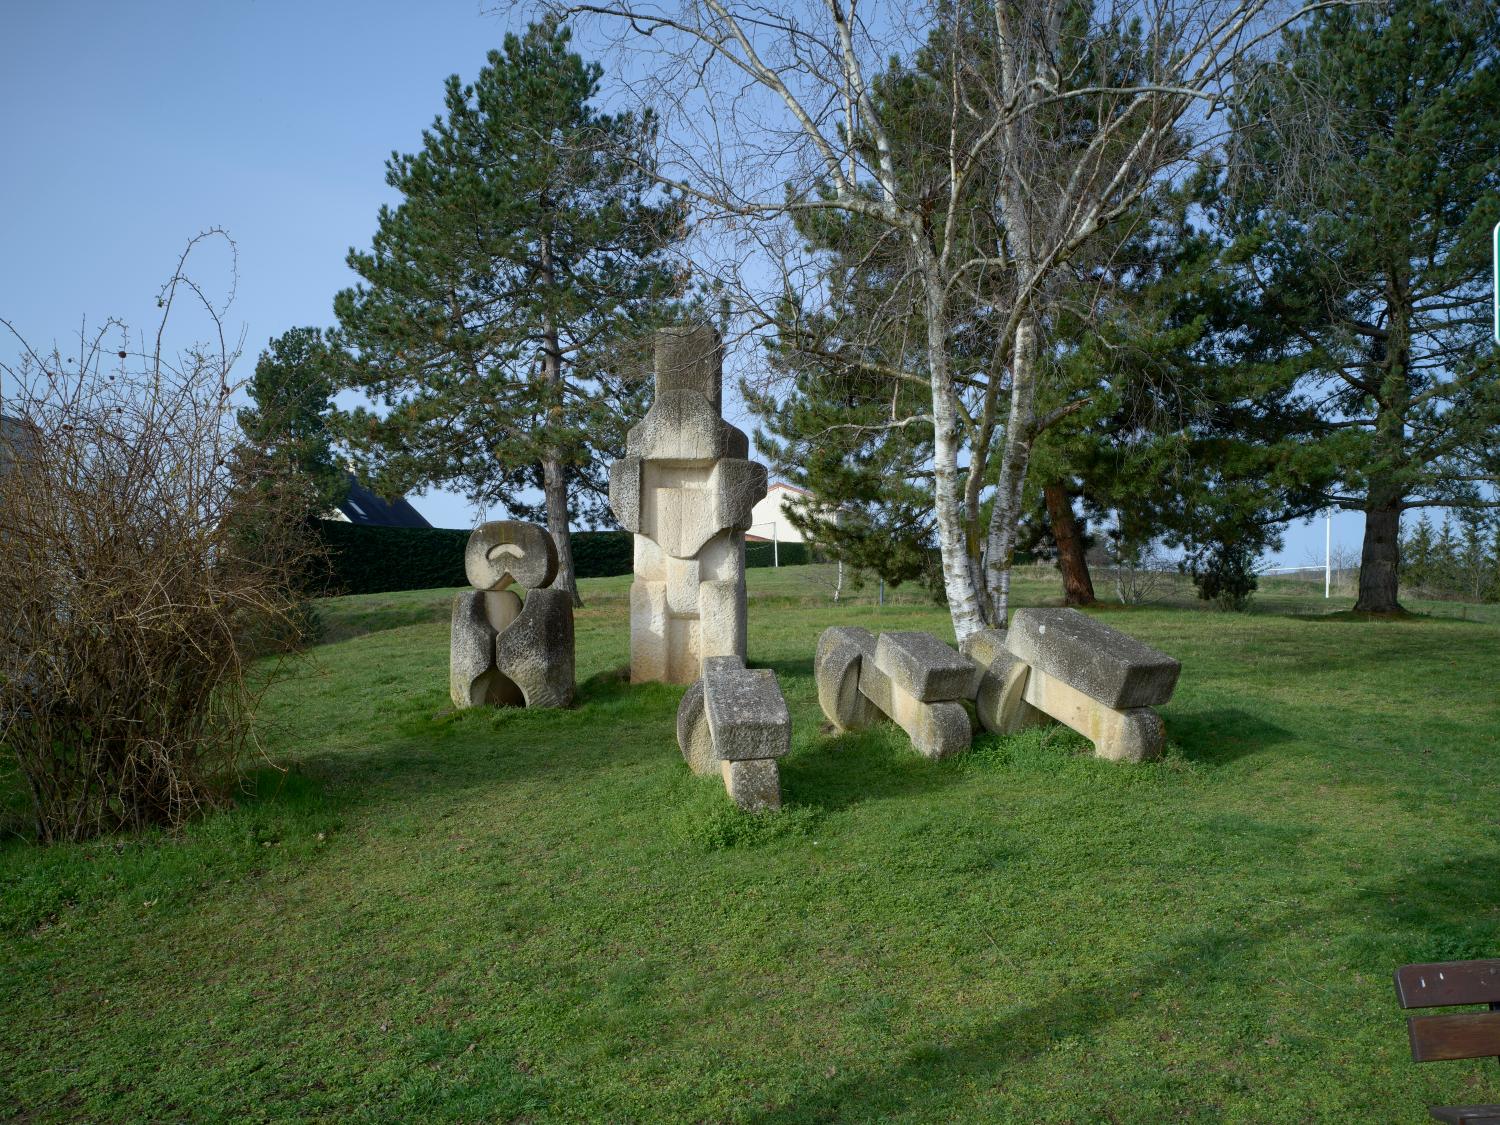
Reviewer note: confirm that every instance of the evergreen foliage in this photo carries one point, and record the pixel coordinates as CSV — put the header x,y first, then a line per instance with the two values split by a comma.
x,y
505,299
288,436
1359,201
1462,563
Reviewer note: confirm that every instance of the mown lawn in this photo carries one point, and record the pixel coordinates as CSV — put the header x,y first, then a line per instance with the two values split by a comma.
x,y
533,916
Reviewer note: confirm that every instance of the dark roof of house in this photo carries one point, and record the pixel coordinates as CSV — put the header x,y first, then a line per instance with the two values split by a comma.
x,y
364,507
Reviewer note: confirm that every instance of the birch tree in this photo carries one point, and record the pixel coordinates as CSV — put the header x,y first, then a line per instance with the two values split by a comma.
x,y
1051,117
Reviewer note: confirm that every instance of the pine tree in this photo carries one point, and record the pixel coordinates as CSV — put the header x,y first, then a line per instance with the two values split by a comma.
x,y
1417,554
1362,193
502,297
288,436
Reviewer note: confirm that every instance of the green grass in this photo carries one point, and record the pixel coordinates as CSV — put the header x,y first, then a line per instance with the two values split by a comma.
x,y
533,916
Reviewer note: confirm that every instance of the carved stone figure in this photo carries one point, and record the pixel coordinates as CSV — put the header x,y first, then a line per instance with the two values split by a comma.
x,y
685,488
505,652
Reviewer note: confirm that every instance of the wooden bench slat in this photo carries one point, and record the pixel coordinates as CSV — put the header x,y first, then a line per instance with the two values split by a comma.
x,y
1448,982
1466,1114
1472,1035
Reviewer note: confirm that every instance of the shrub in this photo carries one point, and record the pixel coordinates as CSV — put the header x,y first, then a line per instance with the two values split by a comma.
x,y
1225,575
135,579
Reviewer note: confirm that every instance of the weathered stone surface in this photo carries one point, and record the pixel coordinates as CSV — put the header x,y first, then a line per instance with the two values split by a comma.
x,y
680,426
503,553
1130,735
924,667
536,651
841,649
694,738
754,786
937,730
1103,663
469,651
746,712
984,646
999,698
721,618
682,507
625,492
648,632
688,358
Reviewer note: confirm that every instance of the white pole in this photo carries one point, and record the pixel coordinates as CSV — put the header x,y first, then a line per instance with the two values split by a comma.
x,y
1327,552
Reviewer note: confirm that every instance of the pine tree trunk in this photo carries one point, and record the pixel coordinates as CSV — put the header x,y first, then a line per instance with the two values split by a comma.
x,y
1380,560
554,476
1078,586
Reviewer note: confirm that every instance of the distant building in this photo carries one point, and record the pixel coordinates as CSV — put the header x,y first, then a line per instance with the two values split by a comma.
x,y
768,520
17,439
362,506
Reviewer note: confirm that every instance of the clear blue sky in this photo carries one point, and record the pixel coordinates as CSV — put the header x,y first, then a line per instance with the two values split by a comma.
x,y
130,126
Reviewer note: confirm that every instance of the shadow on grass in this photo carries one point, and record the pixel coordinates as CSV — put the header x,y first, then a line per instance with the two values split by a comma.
x,y
839,771
1427,915
1222,735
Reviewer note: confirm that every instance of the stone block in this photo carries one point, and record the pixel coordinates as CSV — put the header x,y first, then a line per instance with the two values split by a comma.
x,y
503,553
721,618
625,492
937,730
836,665
1129,735
680,426
470,650
737,486
536,651
648,631
999,698
924,667
1103,663
754,786
683,507
694,738
688,358
746,712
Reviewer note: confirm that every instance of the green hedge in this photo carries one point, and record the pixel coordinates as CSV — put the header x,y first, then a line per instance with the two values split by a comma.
x,y
790,554
377,560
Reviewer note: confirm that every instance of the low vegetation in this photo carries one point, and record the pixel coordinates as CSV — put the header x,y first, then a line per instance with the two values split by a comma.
x,y
422,915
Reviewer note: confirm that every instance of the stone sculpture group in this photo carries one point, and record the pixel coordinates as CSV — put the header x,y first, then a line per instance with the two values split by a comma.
x,y
685,490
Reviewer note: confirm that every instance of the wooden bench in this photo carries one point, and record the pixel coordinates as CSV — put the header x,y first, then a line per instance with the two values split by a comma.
x,y
1465,1035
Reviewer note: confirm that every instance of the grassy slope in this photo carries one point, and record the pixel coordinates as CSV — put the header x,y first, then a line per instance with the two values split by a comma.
x,y
543,916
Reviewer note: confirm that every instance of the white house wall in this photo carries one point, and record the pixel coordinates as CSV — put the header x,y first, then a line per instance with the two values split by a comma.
x,y
772,510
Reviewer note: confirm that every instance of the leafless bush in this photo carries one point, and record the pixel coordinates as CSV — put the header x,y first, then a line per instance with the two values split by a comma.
x,y
136,580
1138,573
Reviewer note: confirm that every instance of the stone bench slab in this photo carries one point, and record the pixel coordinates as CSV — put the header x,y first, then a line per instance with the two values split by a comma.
x,y
1104,664
924,667
747,715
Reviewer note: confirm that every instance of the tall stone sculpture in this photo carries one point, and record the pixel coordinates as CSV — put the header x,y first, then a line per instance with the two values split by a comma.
x,y
685,488
505,652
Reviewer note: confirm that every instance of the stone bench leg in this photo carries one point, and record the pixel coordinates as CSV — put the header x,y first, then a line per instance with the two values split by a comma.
x,y
937,730
1135,735
753,785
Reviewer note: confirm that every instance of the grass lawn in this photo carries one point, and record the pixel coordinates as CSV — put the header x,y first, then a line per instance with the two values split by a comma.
x,y
542,916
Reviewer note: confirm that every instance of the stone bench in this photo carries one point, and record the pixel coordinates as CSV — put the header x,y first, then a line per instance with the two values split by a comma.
x,y
911,678
733,720
1063,665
